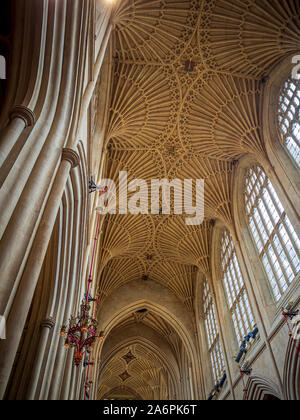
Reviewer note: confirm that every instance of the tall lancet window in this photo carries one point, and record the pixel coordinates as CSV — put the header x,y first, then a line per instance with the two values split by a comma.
x,y
212,331
277,242
236,292
289,117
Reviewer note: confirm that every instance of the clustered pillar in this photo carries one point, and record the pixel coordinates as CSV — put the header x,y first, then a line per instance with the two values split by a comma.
x,y
44,176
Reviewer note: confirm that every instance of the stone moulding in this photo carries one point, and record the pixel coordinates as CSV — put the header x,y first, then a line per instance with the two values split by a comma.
x,y
24,113
48,323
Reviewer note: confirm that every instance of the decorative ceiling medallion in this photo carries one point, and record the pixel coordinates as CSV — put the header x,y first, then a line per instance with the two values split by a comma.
x,y
189,66
129,357
124,376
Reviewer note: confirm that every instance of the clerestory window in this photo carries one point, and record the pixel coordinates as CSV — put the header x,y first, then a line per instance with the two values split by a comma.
x,y
276,240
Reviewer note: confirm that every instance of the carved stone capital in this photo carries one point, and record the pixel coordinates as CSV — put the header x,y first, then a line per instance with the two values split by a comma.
x,y
24,113
71,156
48,323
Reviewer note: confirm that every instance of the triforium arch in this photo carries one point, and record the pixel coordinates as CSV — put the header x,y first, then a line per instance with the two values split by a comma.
x,y
39,373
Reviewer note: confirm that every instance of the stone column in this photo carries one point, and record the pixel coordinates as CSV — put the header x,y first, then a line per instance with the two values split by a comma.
x,y
63,377
227,333
46,327
79,390
21,117
71,395
25,293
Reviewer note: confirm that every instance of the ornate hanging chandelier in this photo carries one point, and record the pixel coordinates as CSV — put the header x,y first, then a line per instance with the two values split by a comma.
x,y
81,333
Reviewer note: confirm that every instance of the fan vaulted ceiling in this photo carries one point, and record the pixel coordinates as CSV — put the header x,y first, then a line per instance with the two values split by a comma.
x,y
167,122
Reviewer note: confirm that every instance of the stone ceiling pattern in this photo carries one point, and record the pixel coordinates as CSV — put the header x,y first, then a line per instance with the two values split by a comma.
x,y
167,122
144,375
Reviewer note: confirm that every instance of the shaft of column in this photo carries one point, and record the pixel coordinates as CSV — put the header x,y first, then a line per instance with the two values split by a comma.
x,y
20,118
57,373
94,380
67,377
72,389
64,307
97,68
46,327
55,128
79,383
25,292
